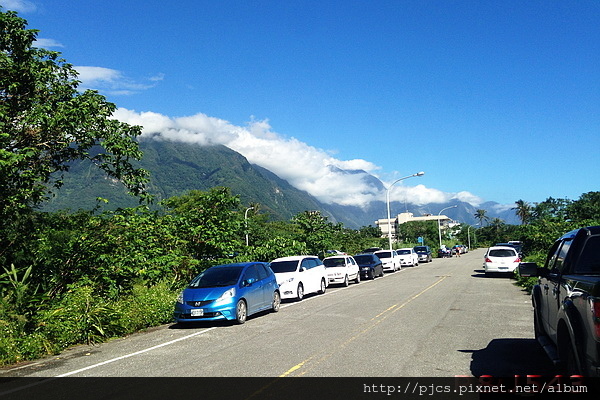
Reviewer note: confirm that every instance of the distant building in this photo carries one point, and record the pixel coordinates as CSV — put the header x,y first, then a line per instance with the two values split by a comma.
x,y
402,218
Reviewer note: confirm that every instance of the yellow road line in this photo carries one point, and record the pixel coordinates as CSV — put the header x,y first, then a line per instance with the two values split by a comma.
x,y
378,319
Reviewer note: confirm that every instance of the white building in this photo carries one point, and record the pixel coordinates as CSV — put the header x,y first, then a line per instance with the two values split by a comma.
x,y
409,217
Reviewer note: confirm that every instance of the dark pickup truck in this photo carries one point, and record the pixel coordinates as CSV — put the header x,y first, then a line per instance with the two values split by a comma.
x,y
566,302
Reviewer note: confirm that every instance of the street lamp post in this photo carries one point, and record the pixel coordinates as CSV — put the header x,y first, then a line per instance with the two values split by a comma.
x,y
246,222
439,225
387,200
469,234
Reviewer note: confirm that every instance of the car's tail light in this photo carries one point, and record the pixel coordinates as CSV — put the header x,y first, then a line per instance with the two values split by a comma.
x,y
487,259
595,305
517,260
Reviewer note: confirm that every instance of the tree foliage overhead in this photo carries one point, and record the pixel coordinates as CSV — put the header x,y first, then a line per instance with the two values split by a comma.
x,y
45,123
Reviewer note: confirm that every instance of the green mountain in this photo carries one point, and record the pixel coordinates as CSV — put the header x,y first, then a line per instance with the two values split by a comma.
x,y
176,168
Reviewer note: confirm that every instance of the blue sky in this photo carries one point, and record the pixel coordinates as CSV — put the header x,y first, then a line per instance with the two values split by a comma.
x,y
493,100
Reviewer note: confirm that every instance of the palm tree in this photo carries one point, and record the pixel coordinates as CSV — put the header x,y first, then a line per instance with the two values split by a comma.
x,y
523,211
481,216
497,224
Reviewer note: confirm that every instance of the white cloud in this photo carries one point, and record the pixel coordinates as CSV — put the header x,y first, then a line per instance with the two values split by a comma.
x,y
111,81
329,179
22,6
47,43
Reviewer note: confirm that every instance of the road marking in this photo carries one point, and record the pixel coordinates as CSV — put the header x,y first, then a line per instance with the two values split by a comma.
x,y
377,320
110,361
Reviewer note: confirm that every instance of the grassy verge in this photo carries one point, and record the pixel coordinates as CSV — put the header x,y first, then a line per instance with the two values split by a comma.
x,y
81,316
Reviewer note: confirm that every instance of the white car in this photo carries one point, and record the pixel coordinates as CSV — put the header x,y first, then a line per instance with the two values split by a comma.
x,y
389,259
408,257
342,269
299,275
501,259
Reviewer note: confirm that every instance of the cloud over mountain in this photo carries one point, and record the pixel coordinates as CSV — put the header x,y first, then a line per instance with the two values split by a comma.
x,y
329,179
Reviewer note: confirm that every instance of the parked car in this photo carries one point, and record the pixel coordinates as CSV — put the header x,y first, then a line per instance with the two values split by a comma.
x,y
371,250
566,305
389,259
299,275
514,243
501,259
408,257
459,249
342,269
334,253
229,292
444,252
424,253
370,265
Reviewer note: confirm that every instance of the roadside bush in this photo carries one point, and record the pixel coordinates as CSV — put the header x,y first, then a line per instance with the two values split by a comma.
x,y
81,316
527,283
146,307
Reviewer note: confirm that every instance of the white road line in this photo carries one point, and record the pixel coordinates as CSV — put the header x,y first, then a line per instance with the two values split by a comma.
x,y
109,361
159,345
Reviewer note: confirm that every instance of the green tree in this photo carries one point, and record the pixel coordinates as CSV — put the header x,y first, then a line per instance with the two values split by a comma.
x,y
210,222
315,230
481,215
523,211
45,123
428,230
551,208
587,207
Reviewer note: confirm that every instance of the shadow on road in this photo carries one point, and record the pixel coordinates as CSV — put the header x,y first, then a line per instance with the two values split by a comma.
x,y
510,357
480,273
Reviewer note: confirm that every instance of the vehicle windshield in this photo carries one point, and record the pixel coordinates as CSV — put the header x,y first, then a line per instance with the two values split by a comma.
x,y
364,259
385,254
502,253
403,251
284,266
217,277
420,248
334,262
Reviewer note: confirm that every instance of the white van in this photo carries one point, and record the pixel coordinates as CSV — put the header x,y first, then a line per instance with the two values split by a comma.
x,y
299,275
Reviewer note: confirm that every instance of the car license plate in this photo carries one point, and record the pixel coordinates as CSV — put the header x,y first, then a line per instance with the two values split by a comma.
x,y
197,312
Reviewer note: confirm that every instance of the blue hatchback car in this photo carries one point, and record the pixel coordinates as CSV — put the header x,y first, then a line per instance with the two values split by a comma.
x,y
229,292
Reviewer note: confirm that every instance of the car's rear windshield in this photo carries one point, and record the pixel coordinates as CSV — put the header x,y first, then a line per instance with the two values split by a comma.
x,y
284,266
334,262
217,277
502,253
589,261
364,259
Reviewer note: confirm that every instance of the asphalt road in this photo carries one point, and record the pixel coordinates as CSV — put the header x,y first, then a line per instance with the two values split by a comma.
x,y
441,319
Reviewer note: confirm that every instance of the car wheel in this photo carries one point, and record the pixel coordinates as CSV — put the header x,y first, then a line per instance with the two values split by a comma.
x,y
241,312
371,275
323,286
276,301
357,280
300,291
381,274
346,282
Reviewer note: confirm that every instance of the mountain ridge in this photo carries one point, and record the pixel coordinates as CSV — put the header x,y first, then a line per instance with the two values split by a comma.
x,y
176,167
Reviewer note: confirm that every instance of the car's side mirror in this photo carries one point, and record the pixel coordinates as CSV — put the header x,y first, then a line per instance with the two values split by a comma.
x,y
302,269
249,282
529,269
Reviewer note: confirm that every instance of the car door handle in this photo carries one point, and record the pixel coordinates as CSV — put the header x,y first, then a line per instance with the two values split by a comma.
x,y
555,291
546,289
